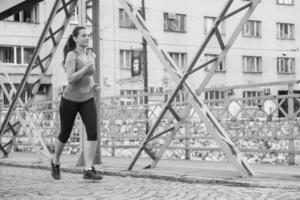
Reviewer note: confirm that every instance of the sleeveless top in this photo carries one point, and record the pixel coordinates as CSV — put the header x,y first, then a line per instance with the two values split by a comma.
x,y
80,90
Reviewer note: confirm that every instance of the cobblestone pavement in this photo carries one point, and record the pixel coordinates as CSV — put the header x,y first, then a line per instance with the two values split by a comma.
x,y
27,183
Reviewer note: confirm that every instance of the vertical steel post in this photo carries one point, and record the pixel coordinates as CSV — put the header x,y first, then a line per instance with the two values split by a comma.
x,y
82,132
187,142
96,48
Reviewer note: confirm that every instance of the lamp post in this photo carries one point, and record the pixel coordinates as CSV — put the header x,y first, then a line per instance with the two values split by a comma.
x,y
145,70
96,48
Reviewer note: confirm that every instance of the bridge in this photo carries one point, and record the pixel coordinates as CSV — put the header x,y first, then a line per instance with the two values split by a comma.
x,y
227,126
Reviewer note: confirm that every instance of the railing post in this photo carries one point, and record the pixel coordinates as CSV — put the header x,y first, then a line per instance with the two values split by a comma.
x,y
113,147
112,132
291,120
187,142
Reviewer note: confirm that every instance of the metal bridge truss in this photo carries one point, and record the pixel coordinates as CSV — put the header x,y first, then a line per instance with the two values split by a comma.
x,y
194,103
48,42
24,120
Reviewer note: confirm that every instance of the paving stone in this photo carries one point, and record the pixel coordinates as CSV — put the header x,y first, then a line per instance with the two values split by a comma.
x,y
27,183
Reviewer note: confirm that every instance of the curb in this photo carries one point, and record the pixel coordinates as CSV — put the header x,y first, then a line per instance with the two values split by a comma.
x,y
176,178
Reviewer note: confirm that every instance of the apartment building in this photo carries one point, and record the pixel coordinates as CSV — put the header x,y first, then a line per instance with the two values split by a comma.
x,y
19,35
267,50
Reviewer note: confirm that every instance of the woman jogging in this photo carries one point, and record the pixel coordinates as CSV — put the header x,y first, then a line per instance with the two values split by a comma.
x,y
78,98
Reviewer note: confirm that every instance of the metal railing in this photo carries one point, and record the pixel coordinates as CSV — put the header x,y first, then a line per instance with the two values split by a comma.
x,y
264,127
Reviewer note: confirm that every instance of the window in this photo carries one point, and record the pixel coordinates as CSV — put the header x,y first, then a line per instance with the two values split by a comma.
x,y
29,15
19,55
156,89
180,97
251,102
179,58
220,68
209,22
124,21
285,31
214,97
16,54
7,54
285,65
75,17
174,22
131,100
285,2
252,29
125,59
28,52
252,64
43,89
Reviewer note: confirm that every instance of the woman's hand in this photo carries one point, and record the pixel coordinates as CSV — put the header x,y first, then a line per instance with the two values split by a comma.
x,y
91,66
96,87
90,69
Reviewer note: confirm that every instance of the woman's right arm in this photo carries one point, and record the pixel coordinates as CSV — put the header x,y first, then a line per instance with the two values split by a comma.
x,y
70,66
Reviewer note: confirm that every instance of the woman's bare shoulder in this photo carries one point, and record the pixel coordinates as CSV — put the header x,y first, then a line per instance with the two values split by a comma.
x,y
71,55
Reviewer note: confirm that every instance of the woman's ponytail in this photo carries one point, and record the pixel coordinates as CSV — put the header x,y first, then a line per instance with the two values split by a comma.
x,y
71,44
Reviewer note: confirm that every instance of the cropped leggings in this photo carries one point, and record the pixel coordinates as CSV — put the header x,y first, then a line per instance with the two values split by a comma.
x,y
68,111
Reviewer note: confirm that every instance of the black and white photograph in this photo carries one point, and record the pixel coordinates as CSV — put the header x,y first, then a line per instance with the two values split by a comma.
x,y
150,99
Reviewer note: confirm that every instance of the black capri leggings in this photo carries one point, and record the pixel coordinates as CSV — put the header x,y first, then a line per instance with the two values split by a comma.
x,y
68,111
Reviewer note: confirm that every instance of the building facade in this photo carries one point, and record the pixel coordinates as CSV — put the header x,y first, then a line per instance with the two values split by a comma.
x,y
267,50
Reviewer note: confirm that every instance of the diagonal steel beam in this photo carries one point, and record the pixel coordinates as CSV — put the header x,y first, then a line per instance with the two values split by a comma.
x,y
169,139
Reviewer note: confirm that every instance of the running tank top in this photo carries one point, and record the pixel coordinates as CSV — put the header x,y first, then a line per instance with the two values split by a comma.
x,y
80,90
